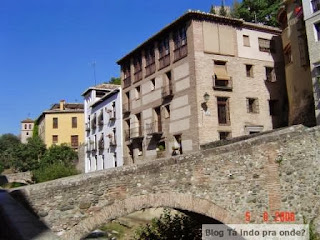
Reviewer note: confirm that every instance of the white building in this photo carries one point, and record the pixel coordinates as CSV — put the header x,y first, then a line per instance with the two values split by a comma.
x,y
103,127
26,129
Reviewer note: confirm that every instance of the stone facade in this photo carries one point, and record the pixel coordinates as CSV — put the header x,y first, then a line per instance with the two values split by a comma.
x,y
297,66
166,78
311,11
277,171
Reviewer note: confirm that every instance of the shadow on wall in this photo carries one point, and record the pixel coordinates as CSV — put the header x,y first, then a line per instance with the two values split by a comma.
x,y
19,221
276,84
3,180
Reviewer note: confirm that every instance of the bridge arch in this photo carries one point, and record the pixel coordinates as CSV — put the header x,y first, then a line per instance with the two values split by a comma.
x,y
179,201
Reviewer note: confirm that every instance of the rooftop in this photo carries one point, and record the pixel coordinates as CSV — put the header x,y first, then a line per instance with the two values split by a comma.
x,y
196,14
28,120
103,86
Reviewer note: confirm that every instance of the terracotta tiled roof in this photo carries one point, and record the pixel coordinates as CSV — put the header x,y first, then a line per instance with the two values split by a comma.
x,y
28,120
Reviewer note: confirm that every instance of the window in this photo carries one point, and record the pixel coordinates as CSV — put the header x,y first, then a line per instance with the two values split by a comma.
x,y
317,31
150,61
273,105
315,5
27,133
264,45
252,105
138,93
55,123
74,141
29,126
180,43
249,70
74,122
126,75
177,147
54,139
164,53
224,135
223,110
287,54
152,84
25,126
221,80
246,41
270,74
167,85
137,68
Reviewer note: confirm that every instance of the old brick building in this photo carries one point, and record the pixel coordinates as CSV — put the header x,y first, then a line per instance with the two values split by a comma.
x,y
201,78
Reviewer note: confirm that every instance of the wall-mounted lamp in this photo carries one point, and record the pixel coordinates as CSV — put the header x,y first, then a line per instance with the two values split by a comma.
x,y
206,97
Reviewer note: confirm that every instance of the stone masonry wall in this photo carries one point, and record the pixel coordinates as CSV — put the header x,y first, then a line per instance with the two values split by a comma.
x,y
268,173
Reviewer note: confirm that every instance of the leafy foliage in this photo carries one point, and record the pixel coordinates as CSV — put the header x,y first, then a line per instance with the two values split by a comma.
x,y
28,156
115,80
1,167
53,171
8,144
59,154
212,10
35,131
222,10
262,11
168,226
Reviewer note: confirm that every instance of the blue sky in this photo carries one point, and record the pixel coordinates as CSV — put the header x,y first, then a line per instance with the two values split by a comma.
x,y
46,47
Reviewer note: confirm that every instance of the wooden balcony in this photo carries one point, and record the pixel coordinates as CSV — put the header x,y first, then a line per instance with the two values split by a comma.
x,y
180,52
138,76
164,61
126,82
150,69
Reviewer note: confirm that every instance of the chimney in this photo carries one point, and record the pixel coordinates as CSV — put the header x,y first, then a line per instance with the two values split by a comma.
x,y
62,105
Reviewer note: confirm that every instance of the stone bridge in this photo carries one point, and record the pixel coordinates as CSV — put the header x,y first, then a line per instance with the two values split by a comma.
x,y
277,171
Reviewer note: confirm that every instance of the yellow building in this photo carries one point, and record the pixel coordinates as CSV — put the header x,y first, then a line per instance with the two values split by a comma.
x,y
62,123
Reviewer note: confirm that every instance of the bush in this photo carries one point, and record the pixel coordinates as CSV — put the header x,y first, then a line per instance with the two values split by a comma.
x,y
1,168
59,154
53,171
167,226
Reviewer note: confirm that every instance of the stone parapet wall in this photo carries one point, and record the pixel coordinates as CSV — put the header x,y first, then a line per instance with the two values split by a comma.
x,y
274,172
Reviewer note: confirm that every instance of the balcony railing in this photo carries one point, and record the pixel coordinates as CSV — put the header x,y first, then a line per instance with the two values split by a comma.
x,y
126,82
315,5
164,61
150,69
180,52
138,76
136,132
222,84
154,128
166,91
93,123
126,107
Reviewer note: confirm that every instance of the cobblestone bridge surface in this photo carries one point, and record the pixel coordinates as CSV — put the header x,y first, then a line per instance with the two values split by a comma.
x,y
273,172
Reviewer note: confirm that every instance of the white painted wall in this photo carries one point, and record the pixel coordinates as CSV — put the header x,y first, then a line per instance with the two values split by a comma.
x,y
110,156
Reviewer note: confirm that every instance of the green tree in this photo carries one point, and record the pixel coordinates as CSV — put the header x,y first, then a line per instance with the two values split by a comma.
x,y
28,156
53,171
59,154
262,11
35,131
115,80
8,145
222,10
168,226
212,9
